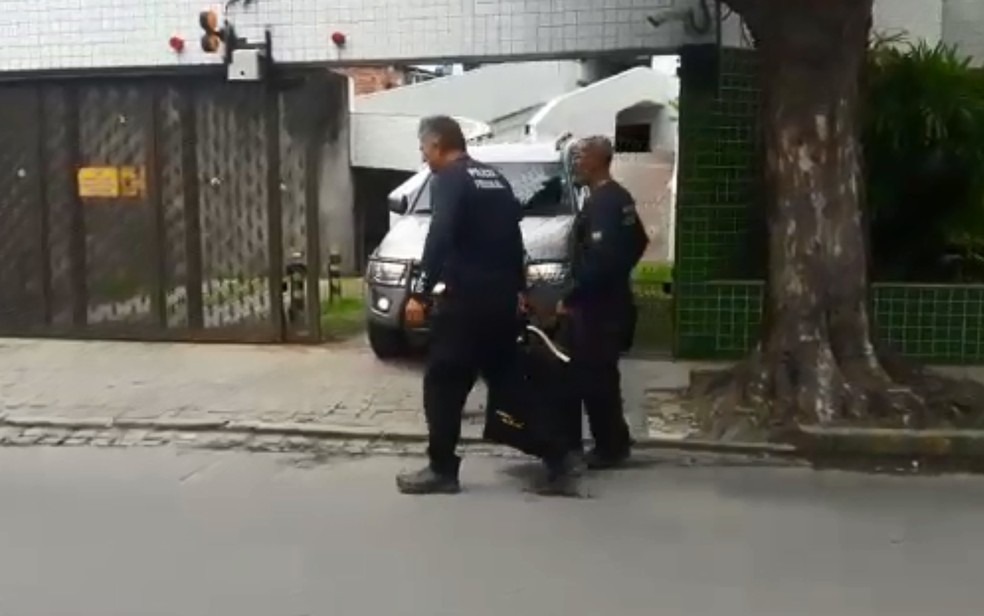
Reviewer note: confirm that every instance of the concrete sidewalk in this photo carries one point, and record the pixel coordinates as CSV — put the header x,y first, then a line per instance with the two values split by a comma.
x,y
338,386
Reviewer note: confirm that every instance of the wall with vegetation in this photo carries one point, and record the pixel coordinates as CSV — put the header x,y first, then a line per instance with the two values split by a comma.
x,y
928,313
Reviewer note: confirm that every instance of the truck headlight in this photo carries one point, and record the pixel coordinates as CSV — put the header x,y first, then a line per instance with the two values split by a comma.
x,y
387,273
548,271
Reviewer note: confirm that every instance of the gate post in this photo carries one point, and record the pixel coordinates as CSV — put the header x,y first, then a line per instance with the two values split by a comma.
x,y
312,224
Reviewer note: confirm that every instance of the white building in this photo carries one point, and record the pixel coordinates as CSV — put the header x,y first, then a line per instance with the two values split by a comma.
x,y
632,105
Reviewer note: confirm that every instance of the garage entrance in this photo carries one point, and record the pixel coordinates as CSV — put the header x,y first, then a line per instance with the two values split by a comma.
x,y
161,208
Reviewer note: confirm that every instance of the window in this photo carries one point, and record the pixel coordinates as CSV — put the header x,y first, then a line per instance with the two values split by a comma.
x,y
419,199
633,138
540,187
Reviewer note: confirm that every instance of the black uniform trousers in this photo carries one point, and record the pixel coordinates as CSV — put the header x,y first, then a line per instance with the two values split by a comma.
x,y
468,338
595,335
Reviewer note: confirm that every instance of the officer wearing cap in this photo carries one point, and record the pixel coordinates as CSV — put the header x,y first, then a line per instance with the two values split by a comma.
x,y
610,241
475,247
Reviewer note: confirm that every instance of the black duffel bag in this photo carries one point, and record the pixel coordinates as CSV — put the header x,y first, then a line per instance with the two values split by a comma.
x,y
526,410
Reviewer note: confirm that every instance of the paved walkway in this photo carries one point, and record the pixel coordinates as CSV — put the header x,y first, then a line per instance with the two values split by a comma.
x,y
336,386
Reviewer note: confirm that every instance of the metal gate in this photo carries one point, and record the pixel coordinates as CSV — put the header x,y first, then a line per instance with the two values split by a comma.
x,y
159,208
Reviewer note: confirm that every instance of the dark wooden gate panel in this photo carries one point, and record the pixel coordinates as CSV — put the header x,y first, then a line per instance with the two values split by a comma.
x,y
234,201
193,243
22,255
116,130
65,248
175,213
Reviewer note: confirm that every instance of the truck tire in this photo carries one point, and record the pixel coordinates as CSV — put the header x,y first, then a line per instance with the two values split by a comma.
x,y
387,343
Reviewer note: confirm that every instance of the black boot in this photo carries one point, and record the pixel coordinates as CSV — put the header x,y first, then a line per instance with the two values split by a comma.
x,y
427,481
561,479
577,462
598,460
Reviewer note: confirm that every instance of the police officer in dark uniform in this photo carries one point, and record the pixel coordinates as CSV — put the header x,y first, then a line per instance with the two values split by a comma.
x,y
610,240
475,247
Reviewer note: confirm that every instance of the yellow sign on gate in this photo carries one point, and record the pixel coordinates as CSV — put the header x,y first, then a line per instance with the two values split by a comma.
x,y
111,182
99,182
132,182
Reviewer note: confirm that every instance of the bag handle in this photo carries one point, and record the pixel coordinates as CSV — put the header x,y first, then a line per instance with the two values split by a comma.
x,y
539,333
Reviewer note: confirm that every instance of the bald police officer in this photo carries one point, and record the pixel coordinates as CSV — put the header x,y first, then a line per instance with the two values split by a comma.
x,y
610,241
475,247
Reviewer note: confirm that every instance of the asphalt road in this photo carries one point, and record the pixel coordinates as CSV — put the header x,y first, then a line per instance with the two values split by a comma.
x,y
144,532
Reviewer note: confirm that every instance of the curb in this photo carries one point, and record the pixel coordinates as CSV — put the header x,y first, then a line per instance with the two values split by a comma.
x,y
809,442
342,432
705,446
966,445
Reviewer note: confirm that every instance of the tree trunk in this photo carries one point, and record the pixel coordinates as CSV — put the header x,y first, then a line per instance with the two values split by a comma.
x,y
812,54
816,361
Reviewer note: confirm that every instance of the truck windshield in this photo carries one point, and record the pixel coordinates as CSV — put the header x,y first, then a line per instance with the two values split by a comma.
x,y
540,187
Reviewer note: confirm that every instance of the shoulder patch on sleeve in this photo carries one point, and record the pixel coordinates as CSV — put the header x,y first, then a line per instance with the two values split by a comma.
x,y
629,215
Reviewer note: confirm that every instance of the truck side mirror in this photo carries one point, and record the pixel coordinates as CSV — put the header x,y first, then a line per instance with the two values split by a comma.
x,y
399,205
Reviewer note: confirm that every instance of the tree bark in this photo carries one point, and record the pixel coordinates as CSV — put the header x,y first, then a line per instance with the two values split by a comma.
x,y
812,54
816,362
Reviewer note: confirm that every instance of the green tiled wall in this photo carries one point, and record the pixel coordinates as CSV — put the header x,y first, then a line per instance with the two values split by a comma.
x,y
717,320
935,323
715,206
717,309
717,173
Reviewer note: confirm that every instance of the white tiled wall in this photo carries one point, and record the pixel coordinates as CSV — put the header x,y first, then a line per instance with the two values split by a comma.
x,y
916,19
963,25
67,34
62,34
955,22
